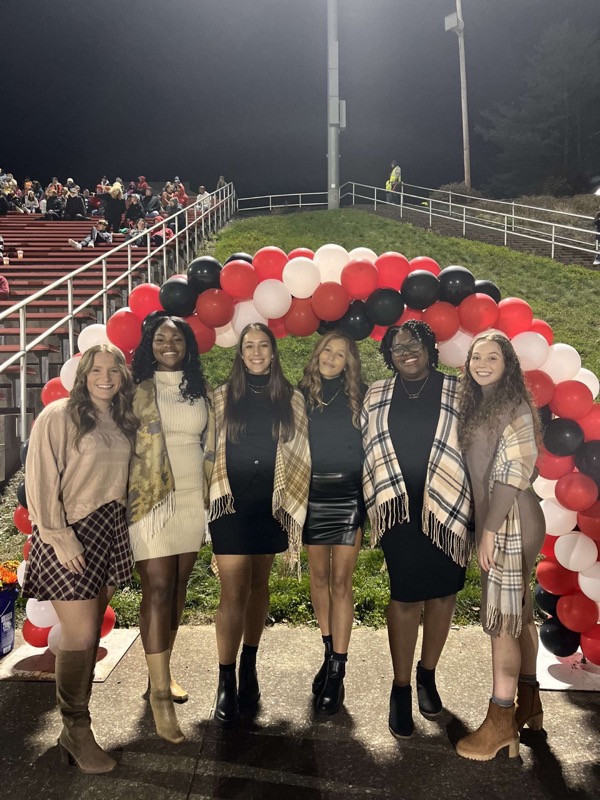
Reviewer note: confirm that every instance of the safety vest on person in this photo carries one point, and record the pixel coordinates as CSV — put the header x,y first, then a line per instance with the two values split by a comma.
x,y
393,180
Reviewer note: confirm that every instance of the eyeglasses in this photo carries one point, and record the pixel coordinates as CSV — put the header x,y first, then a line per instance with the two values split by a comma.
x,y
400,349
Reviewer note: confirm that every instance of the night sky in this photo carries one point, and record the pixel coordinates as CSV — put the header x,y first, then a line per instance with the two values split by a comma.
x,y
196,88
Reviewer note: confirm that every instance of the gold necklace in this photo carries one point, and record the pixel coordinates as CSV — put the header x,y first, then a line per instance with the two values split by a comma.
x,y
323,403
414,395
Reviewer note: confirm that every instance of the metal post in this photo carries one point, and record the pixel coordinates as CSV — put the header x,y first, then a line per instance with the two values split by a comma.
x,y
553,241
333,107
455,22
71,320
505,229
104,295
401,200
23,371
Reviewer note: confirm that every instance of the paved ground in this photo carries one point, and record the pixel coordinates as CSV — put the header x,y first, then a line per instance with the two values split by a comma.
x,y
284,752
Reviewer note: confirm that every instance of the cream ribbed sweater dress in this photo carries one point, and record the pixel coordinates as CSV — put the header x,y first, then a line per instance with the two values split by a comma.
x,y
183,424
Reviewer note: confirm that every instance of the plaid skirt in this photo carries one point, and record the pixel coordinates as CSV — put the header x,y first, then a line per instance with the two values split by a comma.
x,y
108,561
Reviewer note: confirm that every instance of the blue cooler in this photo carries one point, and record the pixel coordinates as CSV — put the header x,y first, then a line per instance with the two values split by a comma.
x,y
8,598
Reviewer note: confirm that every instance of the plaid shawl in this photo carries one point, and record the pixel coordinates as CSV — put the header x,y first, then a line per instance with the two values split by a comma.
x,y
151,497
446,517
292,474
514,462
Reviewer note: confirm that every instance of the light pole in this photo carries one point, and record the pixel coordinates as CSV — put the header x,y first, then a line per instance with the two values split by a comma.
x,y
454,22
336,108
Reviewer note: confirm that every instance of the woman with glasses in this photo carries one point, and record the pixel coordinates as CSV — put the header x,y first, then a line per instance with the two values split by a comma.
x,y
419,503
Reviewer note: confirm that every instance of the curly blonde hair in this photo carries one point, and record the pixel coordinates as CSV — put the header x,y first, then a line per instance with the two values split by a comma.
x,y
311,386
116,191
82,410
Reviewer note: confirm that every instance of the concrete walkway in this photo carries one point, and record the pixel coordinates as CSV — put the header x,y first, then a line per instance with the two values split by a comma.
x,y
284,752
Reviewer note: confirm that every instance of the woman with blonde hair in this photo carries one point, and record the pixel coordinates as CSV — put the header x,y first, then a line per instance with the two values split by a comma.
x,y
333,391
77,467
114,206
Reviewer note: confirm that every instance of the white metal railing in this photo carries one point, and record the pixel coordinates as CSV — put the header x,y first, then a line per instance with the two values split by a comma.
x,y
199,221
269,202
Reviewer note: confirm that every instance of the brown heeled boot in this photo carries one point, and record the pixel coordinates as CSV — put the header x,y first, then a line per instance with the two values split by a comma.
x,y
529,706
161,703
498,730
74,674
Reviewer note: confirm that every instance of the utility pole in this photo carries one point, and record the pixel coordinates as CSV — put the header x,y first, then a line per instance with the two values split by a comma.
x,y
336,108
454,22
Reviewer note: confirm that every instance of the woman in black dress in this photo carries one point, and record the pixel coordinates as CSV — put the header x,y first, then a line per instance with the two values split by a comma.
x,y
419,502
258,497
334,392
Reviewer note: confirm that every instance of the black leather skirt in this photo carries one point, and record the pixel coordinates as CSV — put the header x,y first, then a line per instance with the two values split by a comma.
x,y
335,509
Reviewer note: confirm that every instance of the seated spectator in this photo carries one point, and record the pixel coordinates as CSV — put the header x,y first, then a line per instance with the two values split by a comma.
x,y
103,185
54,184
99,235
27,185
150,203
136,236
157,237
166,194
135,210
202,199
37,190
142,184
120,180
70,184
131,189
173,207
30,202
55,205
75,206
4,288
181,195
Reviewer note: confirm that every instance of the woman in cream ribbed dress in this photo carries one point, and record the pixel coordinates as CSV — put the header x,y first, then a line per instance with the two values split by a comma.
x,y
167,491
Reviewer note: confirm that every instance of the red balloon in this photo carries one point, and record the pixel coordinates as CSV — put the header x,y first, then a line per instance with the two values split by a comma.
x,y
269,263
443,319
305,252
590,424
35,636
26,548
129,357
278,328
392,268
576,491
108,623
22,520
205,336
214,308
409,313
53,390
378,332
572,400
588,521
577,612
424,262
540,385
239,280
553,467
478,312
359,278
590,644
548,547
144,299
555,579
124,330
541,327
515,316
301,320
329,301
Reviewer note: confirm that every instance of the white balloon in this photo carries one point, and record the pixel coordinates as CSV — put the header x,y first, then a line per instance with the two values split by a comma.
x,y
301,276
272,299
589,582
576,551
245,313
544,488
68,372
563,362
331,260
93,334
453,353
364,253
559,520
41,613
591,381
54,635
226,336
21,572
531,348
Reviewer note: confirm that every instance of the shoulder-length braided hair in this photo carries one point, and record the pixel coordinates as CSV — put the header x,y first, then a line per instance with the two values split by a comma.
x,y
279,392
82,410
420,331
311,383
193,384
510,391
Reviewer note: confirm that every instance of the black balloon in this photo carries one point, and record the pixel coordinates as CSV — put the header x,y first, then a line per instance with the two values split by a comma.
x,y
557,639
204,273
546,600
420,289
562,437
384,306
23,451
587,459
239,257
327,327
545,416
456,283
355,321
489,288
177,297
149,318
21,496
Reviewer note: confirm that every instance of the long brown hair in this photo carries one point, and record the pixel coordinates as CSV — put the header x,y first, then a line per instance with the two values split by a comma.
x,y
510,391
279,392
82,410
312,385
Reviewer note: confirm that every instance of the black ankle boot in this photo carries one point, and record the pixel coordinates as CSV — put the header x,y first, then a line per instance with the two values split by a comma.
x,y
430,703
227,710
319,679
331,698
400,720
248,688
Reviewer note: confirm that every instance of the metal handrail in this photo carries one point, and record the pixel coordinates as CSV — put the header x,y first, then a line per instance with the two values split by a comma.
x,y
270,204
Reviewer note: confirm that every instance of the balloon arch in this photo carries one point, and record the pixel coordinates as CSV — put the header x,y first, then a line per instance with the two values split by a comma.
x,y
361,293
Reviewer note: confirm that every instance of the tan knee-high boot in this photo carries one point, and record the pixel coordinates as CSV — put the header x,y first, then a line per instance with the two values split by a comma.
x,y
178,693
165,719
529,706
74,674
498,730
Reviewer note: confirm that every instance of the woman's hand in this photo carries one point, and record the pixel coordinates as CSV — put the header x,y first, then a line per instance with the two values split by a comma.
x,y
76,564
485,551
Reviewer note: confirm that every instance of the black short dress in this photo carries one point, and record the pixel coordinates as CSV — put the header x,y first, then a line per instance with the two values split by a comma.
x,y
336,509
418,568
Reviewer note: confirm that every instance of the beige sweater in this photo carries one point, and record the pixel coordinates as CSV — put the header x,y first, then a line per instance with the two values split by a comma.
x,y
64,484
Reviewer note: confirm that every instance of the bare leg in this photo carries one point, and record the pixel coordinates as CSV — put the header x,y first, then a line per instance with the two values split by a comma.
x,y
403,628
257,609
158,576
437,619
342,606
319,562
235,574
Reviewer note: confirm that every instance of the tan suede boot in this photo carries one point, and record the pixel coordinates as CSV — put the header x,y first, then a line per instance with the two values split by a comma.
x,y
178,693
529,707
161,703
498,730
74,674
